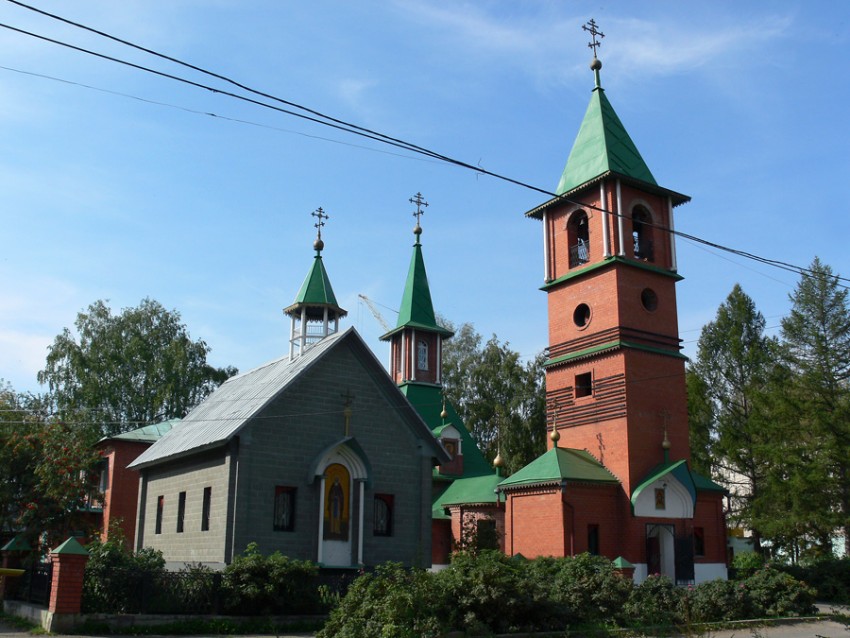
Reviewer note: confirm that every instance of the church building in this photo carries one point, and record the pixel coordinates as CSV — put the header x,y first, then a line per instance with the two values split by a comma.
x,y
302,455
616,479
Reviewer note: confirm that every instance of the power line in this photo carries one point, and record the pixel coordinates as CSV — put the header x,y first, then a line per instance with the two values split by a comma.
x,y
326,120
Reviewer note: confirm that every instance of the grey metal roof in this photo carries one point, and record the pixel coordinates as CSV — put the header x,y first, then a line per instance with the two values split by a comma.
x,y
226,410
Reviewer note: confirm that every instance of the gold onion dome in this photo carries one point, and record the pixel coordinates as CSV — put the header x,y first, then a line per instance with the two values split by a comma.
x,y
498,461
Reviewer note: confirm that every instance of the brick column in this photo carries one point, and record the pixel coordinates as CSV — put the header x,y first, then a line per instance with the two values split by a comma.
x,y
624,567
69,564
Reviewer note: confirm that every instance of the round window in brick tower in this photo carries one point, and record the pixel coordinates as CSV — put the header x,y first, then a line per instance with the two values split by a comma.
x,y
581,315
649,299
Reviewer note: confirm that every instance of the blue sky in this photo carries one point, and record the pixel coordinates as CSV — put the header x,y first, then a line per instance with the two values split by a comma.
x,y
743,106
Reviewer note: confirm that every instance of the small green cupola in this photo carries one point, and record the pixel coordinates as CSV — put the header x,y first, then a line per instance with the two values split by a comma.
x,y
416,341
315,313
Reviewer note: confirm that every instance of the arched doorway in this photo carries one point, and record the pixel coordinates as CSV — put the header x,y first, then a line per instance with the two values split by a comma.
x,y
336,515
661,550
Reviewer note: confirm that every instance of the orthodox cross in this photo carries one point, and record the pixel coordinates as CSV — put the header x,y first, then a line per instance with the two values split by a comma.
x,y
591,28
348,398
321,216
420,202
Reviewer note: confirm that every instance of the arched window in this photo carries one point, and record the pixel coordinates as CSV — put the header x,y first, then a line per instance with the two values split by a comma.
x,y
422,354
642,234
578,238
383,523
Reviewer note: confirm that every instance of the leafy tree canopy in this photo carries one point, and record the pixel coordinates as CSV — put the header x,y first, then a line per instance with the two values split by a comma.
x,y
129,369
501,399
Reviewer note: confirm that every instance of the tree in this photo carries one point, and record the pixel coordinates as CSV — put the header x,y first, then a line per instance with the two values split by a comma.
x,y
816,341
129,369
501,400
45,470
733,363
701,415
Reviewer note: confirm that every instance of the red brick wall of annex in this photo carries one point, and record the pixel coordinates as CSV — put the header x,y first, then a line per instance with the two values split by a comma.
x,y
120,500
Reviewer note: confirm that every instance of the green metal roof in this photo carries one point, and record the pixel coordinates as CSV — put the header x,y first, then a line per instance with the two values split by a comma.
x,y
147,433
17,544
678,469
316,290
428,401
705,484
473,489
602,146
560,464
71,546
417,309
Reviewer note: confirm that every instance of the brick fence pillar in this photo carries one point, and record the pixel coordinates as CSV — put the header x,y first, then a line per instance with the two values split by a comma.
x,y
624,567
66,591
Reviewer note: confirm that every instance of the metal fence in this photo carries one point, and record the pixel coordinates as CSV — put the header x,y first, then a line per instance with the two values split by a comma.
x,y
33,586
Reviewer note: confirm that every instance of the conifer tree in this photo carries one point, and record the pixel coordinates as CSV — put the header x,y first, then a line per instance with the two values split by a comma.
x,y
816,342
733,363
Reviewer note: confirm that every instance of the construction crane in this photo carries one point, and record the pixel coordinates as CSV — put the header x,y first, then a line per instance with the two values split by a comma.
x,y
377,313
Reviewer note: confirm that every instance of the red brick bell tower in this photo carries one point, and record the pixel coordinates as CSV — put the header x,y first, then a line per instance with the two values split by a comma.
x,y
615,375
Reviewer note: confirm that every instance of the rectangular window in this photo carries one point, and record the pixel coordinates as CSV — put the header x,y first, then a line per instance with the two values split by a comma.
x,y
593,539
205,511
284,509
160,506
383,523
487,536
699,541
181,511
584,385
103,482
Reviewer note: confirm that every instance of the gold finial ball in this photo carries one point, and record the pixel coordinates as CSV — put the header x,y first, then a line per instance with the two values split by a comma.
x,y
417,230
665,444
555,436
318,245
444,414
595,64
498,461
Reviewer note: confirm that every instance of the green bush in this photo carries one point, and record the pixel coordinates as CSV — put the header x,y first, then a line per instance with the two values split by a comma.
x,y
715,601
393,602
830,577
590,588
254,584
114,575
771,592
490,592
745,564
655,602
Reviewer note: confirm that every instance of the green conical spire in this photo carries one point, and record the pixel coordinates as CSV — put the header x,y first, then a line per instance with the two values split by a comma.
x,y
602,146
316,292
417,309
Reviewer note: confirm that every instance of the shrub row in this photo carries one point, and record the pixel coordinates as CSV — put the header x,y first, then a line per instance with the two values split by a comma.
x,y
491,593
119,581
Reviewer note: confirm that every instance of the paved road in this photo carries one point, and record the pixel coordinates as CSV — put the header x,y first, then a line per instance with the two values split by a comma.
x,y
818,629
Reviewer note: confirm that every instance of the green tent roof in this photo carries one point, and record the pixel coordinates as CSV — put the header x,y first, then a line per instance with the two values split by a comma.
x,y
602,146
560,464
417,309
705,484
316,291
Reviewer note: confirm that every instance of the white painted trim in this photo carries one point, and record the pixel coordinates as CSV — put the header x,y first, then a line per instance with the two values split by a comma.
x,y
547,275
620,230
321,516
606,249
709,571
673,261
360,532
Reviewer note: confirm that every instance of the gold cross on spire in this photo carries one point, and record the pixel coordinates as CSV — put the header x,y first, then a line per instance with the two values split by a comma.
x,y
420,202
591,28
321,216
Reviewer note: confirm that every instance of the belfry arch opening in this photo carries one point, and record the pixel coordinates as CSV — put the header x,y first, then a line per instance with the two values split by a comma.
x,y
642,234
578,238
